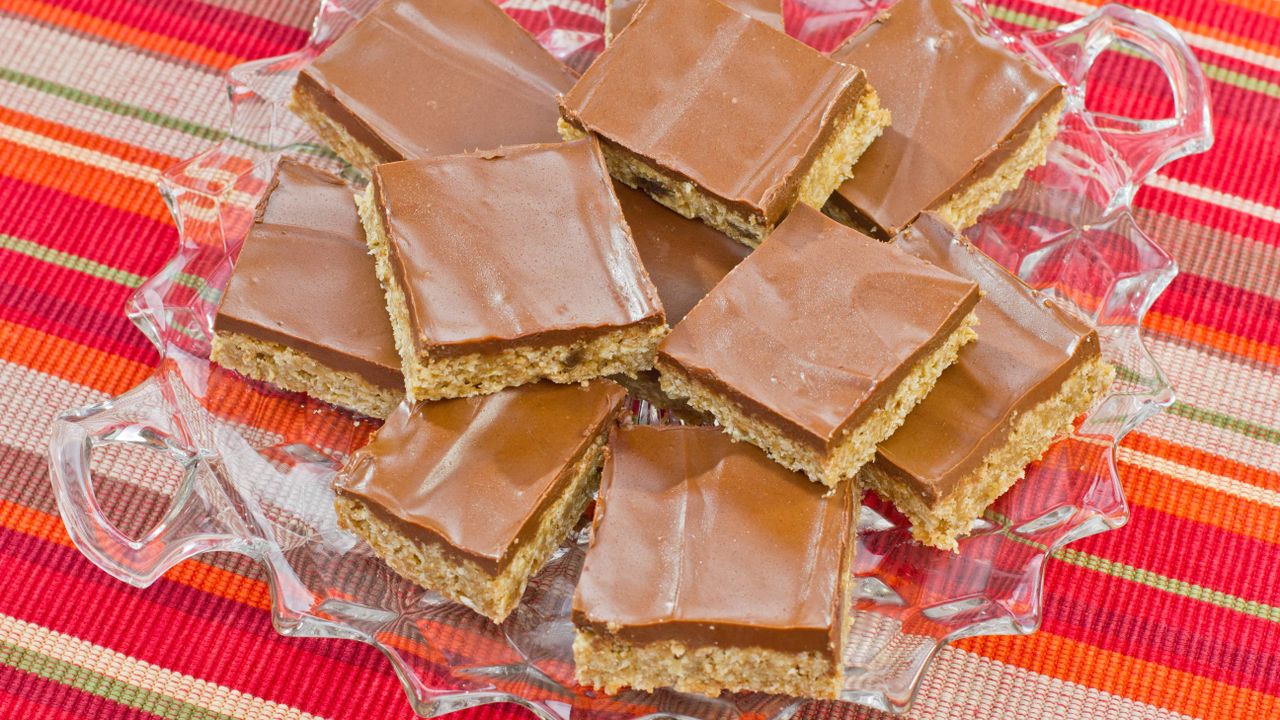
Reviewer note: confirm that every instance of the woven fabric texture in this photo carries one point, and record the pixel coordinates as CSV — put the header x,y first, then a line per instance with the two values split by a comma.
x,y
1175,615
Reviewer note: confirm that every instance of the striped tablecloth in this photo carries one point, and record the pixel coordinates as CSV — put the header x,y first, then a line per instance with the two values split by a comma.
x,y
1177,614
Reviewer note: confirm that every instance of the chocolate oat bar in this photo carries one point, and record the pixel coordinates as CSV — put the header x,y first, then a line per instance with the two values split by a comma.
x,y
685,259
711,569
998,408
721,117
617,13
817,345
508,267
417,78
277,324
969,119
470,497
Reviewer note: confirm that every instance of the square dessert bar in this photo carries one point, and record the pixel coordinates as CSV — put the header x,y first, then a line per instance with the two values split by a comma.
x,y
712,568
685,259
509,267
721,117
969,119
617,13
997,409
817,345
330,340
417,78
469,497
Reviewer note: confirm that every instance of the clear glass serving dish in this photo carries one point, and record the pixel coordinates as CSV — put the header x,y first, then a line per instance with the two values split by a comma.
x,y
248,467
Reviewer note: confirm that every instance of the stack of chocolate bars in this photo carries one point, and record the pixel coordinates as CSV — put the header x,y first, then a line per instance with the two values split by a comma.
x,y
715,218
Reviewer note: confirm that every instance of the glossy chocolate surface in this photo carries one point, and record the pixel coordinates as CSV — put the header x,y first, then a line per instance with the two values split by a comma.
x,y
717,98
1029,346
960,103
417,78
521,246
818,326
477,473
704,540
685,258
308,228
619,12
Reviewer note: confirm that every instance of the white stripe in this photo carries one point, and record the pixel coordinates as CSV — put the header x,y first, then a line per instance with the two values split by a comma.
x,y
1202,478
138,673
1196,40
1214,440
1215,197
962,684
94,158
125,76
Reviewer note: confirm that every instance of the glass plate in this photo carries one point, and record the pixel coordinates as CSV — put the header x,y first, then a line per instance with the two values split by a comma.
x,y
247,467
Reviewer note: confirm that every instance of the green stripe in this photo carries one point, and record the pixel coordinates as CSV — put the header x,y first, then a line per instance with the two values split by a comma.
x,y
1214,72
70,262
1170,585
98,270
116,107
103,686
1181,588
1248,428
151,117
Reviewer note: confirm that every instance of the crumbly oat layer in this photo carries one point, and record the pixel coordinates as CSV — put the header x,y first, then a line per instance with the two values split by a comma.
x,y
621,351
951,517
429,565
856,447
332,132
964,207
646,386
290,369
610,663
854,132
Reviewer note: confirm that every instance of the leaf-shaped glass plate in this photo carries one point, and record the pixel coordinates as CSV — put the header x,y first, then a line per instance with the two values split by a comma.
x,y
255,463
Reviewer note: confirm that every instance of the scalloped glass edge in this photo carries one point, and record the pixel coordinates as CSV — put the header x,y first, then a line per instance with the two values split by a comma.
x,y
255,463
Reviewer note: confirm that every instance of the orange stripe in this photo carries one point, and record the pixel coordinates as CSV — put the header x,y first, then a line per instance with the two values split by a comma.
x,y
90,141
1128,677
83,181
1217,339
71,361
1202,460
1168,495
124,34
192,573
1211,31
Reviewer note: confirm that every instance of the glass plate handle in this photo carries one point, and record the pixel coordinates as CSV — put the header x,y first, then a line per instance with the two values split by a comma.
x,y
1141,146
143,418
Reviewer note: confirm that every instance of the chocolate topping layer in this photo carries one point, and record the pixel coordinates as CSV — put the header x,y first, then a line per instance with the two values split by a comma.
x,y
477,473
685,258
818,326
417,78
961,104
1029,346
619,12
717,98
518,246
705,540
308,228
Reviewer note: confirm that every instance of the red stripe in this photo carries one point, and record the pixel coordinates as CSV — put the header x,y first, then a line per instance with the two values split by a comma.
x,y
34,278
1160,543
1210,215
110,332
1161,627
31,697
1214,304
194,633
71,224
223,30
